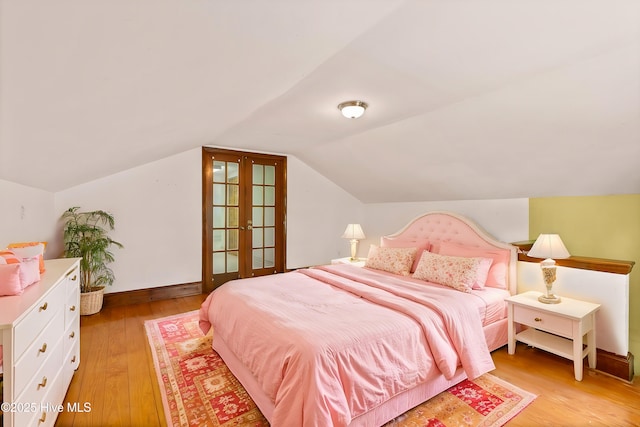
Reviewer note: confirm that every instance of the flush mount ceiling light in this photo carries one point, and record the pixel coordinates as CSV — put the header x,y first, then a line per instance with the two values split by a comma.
x,y
352,109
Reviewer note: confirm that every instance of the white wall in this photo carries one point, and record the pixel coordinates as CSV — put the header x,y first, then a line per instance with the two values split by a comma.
x,y
157,208
318,211
26,214
506,220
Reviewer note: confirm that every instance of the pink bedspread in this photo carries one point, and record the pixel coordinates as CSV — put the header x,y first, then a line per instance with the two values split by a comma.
x,y
329,344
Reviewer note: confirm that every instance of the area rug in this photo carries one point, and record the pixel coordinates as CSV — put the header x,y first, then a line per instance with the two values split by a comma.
x,y
199,390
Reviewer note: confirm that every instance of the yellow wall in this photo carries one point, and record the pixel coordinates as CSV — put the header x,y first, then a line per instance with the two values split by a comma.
x,y
601,227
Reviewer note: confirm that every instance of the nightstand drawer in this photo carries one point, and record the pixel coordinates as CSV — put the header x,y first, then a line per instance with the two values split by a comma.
x,y
545,321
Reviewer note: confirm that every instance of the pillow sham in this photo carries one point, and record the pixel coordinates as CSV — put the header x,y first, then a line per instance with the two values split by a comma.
x,y
10,279
392,260
420,245
29,272
497,277
27,247
460,273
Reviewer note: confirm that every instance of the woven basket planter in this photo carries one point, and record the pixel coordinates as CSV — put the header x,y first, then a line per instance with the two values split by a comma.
x,y
91,302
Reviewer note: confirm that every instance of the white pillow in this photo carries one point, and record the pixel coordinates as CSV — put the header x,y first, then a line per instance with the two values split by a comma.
x,y
28,251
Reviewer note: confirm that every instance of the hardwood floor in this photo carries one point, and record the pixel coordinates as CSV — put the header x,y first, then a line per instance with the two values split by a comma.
x,y
116,378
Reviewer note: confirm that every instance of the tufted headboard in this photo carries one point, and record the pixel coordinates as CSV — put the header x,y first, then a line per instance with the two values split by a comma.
x,y
435,227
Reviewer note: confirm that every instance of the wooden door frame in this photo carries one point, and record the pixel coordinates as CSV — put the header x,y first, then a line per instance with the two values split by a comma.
x,y
281,212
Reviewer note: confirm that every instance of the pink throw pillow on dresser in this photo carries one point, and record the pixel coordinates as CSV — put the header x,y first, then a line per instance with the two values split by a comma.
x,y
29,272
497,276
10,279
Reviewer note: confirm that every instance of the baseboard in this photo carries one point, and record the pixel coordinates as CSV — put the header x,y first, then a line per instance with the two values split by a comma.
x,y
152,294
616,365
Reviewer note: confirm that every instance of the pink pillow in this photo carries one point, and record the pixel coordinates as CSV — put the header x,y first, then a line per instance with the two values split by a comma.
x,y
392,260
460,273
10,279
29,272
497,277
420,245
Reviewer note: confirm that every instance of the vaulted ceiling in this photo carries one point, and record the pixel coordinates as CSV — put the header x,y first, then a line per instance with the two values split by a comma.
x,y
467,99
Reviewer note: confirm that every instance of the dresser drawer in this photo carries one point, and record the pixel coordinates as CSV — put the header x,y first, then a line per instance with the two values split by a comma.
x,y
73,280
545,321
72,307
37,319
42,404
45,379
71,337
39,352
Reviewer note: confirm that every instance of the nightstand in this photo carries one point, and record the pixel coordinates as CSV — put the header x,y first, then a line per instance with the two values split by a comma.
x,y
359,262
556,328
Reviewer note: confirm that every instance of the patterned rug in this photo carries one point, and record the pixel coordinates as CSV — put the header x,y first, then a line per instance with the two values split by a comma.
x,y
199,390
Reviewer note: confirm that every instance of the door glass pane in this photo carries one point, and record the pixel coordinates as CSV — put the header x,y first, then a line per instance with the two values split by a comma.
x,y
257,195
218,240
232,262
218,217
269,257
233,219
257,238
232,195
270,196
218,194
218,171
256,259
232,239
270,175
218,262
270,216
270,236
257,216
258,176
233,175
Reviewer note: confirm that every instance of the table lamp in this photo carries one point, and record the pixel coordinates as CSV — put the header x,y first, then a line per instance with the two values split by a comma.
x,y
353,233
549,247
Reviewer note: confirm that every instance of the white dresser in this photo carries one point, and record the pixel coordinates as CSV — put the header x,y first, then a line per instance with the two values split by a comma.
x,y
40,334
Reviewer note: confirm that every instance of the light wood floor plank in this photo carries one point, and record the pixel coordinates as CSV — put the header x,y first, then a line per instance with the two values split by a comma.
x,y
133,396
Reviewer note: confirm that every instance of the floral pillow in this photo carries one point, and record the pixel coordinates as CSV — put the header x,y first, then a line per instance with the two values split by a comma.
x,y
460,273
392,260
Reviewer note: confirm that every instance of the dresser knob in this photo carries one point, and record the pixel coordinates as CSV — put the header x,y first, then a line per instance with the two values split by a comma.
x,y
74,277
72,334
43,348
43,383
43,418
537,319
73,359
72,308
44,306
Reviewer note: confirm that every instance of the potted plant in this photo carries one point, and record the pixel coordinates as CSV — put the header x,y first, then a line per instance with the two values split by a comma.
x,y
86,236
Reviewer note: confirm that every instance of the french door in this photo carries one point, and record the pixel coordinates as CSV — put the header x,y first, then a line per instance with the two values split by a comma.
x,y
243,215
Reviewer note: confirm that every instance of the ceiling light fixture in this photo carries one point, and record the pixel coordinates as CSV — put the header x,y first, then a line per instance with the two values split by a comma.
x,y
353,109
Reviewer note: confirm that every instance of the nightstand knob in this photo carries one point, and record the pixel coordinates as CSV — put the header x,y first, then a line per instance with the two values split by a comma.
x,y
537,319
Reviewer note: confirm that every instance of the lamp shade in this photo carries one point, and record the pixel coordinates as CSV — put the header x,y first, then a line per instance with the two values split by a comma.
x,y
353,232
549,246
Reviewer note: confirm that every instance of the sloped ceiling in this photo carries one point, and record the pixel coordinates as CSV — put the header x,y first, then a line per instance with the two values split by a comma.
x,y
468,99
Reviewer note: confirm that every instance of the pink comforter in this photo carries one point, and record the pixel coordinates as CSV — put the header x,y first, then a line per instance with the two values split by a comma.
x,y
329,344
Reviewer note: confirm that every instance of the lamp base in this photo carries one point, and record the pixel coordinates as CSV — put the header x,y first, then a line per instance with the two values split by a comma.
x,y
550,299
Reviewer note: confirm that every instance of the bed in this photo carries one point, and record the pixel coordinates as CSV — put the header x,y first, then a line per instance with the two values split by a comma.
x,y
341,345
